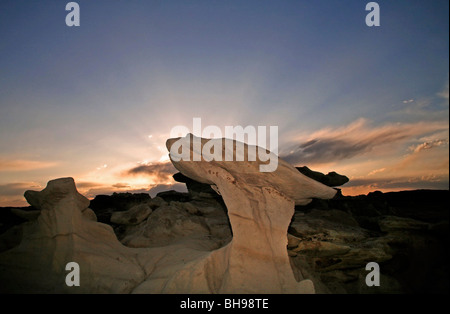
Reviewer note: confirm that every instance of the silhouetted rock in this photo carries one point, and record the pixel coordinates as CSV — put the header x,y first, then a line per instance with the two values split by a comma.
x,y
196,189
405,232
173,195
8,219
330,179
105,205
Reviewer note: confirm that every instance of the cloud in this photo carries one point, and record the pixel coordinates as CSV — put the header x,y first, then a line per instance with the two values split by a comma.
x,y
121,185
15,189
423,158
160,171
445,92
376,171
358,138
428,145
432,181
24,165
408,101
86,184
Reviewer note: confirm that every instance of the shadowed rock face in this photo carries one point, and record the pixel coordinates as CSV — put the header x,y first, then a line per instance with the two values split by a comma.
x,y
260,207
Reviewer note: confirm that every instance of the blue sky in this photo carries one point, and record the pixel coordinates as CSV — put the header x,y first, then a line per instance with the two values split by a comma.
x,y
96,101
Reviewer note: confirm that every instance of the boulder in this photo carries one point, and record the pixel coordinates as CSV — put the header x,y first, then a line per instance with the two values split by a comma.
x,y
327,225
105,205
168,224
26,214
173,195
393,223
133,216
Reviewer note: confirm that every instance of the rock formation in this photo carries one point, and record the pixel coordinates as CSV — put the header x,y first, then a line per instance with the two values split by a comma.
x,y
243,240
260,207
329,179
67,231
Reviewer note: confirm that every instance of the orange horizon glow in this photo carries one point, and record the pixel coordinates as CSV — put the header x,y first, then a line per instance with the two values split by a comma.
x,y
346,191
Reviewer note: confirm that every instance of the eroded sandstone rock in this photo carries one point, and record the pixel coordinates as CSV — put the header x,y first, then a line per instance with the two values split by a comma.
x,y
64,232
260,206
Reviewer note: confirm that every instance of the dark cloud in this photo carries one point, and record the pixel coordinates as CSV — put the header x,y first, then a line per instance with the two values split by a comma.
x,y
356,139
333,149
15,189
161,170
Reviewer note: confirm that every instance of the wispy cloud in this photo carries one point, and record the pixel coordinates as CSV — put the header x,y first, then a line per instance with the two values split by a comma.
x,y
400,183
376,171
24,165
121,185
18,188
355,139
445,92
85,184
428,145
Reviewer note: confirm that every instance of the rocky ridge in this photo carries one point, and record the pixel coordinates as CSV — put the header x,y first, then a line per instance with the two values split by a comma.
x,y
330,241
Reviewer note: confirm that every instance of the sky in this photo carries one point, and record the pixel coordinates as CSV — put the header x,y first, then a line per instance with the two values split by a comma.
x,y
97,102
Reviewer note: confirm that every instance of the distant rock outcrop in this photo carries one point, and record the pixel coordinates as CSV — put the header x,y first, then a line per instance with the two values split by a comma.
x,y
105,205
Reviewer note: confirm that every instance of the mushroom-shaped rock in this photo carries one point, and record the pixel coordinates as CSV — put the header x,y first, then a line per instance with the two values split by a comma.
x,y
284,178
260,207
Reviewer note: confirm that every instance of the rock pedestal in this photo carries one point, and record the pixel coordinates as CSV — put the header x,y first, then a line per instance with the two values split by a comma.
x,y
260,207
